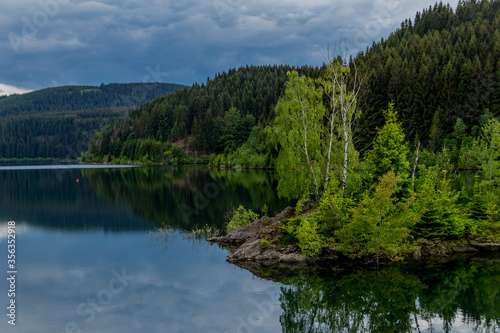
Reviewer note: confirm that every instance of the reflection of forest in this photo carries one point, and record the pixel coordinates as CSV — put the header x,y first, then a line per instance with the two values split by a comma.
x,y
53,199
423,297
186,196
104,199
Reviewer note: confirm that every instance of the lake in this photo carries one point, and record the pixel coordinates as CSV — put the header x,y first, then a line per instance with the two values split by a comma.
x,y
102,249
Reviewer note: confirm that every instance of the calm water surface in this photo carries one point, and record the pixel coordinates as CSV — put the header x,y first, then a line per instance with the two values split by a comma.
x,y
90,259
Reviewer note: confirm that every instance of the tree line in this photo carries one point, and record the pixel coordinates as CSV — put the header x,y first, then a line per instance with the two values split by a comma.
x,y
74,98
439,69
203,119
60,135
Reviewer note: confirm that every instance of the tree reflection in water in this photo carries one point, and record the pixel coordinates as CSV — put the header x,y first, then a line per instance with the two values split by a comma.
x,y
455,295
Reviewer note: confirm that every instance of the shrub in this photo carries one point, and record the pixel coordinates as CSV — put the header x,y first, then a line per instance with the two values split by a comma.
x,y
241,218
264,244
379,224
305,231
310,241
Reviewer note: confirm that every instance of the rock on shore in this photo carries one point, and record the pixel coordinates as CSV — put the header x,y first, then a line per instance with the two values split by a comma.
x,y
245,243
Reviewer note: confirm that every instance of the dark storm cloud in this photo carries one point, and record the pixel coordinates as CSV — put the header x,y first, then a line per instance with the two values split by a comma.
x,y
59,42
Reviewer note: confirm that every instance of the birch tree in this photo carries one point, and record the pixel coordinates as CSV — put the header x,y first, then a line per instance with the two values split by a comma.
x,y
314,128
343,101
298,129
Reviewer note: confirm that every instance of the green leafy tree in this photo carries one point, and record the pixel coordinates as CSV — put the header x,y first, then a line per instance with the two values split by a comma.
x,y
334,211
389,149
490,146
298,128
178,153
477,207
311,242
241,218
314,129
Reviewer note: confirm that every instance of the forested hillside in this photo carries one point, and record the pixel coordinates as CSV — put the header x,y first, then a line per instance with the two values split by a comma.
x,y
438,68
213,116
73,98
441,70
59,122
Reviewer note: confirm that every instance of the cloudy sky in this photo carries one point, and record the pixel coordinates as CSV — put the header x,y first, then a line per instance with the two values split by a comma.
x,y
47,43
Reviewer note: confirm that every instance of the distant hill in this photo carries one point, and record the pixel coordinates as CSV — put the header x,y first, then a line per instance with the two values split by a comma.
x,y
59,122
73,98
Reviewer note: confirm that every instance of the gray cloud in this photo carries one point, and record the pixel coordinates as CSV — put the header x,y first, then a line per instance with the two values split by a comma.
x,y
58,42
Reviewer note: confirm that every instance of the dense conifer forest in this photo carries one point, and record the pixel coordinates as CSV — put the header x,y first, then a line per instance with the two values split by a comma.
x,y
59,122
440,70
212,116
75,98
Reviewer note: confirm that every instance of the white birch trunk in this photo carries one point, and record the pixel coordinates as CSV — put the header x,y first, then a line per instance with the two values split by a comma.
x,y
415,168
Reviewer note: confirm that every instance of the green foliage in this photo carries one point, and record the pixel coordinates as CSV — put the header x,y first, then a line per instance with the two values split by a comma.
x,y
314,131
257,152
177,153
26,161
441,159
389,149
203,233
305,231
440,215
298,128
209,117
334,211
490,151
491,226
264,244
379,224
241,218
484,207
478,205
265,210
311,243
438,67
301,205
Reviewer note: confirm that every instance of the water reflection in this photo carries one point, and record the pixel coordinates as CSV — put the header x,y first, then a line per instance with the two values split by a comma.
x,y
54,199
186,196
183,197
461,295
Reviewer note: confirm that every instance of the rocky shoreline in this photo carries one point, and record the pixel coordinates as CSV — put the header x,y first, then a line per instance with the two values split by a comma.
x,y
248,246
245,243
